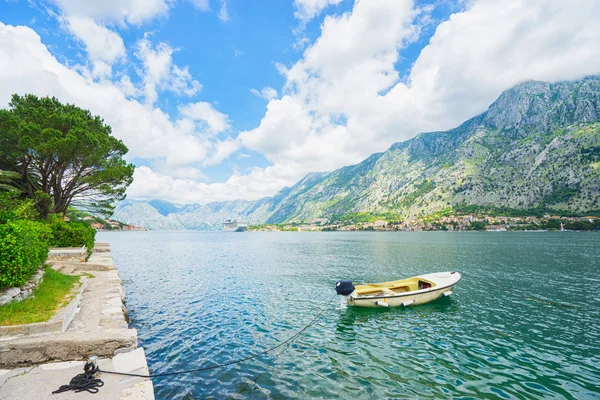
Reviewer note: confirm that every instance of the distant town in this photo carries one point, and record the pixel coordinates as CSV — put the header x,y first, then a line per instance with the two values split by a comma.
x,y
110,225
468,222
100,224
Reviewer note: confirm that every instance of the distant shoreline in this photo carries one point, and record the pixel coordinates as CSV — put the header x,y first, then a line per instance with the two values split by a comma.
x,y
344,231
434,231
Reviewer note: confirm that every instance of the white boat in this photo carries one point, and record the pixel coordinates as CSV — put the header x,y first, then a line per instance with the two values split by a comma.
x,y
401,293
234,225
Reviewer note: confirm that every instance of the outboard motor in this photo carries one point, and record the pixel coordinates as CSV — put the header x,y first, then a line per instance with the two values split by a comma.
x,y
344,288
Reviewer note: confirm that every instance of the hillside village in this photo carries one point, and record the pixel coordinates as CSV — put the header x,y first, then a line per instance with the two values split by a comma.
x,y
101,224
110,225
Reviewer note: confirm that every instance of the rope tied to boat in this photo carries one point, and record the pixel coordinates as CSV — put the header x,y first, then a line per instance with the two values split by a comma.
x,y
87,382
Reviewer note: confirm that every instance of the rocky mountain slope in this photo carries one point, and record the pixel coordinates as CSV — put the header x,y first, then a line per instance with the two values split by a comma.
x,y
537,145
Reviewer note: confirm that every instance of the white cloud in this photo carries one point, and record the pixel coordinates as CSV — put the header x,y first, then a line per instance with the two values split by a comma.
x,y
157,65
149,184
160,73
223,13
127,87
306,10
300,43
101,44
211,120
182,83
222,150
101,70
115,11
200,5
267,93
157,59
346,68
87,21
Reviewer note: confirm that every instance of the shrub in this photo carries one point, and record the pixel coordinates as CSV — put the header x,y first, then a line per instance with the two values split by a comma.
x,y
23,249
72,234
13,208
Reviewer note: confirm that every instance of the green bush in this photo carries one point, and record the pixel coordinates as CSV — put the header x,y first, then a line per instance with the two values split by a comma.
x,y
72,234
12,207
23,249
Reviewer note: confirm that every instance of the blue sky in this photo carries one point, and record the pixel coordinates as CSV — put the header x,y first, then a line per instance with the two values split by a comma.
x,y
222,100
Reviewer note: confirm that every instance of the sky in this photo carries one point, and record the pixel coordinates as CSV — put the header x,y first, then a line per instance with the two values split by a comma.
x,y
235,99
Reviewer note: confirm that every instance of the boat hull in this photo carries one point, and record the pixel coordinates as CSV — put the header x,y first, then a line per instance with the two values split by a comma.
x,y
445,284
235,229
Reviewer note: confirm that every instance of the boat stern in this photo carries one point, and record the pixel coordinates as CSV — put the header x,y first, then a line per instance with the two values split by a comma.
x,y
344,289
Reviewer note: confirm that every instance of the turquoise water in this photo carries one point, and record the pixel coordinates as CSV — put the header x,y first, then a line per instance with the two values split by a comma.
x,y
202,298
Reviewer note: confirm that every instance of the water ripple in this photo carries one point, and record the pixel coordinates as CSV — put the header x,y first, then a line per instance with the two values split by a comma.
x,y
524,323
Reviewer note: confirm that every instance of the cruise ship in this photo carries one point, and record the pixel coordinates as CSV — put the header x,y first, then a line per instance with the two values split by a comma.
x,y
234,225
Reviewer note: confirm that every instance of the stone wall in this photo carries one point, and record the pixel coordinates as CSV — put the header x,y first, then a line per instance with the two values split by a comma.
x,y
23,292
77,254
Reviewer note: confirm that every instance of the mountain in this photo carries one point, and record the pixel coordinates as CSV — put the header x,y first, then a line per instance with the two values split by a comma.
x,y
143,214
164,207
163,215
537,145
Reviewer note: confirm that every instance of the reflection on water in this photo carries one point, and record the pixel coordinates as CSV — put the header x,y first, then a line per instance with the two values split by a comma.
x,y
203,298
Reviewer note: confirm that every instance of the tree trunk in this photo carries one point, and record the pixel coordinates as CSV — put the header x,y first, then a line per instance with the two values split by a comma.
x,y
42,204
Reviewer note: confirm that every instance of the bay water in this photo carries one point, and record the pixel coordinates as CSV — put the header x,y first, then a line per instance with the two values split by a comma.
x,y
523,323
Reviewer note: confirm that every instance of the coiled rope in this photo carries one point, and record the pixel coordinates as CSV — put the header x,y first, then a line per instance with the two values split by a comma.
x,y
87,382
83,382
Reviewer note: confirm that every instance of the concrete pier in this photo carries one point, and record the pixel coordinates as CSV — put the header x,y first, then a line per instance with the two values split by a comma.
x,y
48,358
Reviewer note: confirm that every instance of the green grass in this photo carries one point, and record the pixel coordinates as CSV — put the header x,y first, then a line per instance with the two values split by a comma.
x,y
50,295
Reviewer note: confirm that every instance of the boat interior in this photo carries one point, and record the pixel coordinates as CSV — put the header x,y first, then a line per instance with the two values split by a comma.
x,y
392,288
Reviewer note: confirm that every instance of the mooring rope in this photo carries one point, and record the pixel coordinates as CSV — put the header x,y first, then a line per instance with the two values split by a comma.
x,y
87,382
289,340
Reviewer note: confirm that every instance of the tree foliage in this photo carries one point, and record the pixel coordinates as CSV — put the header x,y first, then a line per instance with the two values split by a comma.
x,y
7,181
63,154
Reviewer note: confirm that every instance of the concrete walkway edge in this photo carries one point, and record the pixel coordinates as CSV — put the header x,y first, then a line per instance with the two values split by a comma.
x,y
94,323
